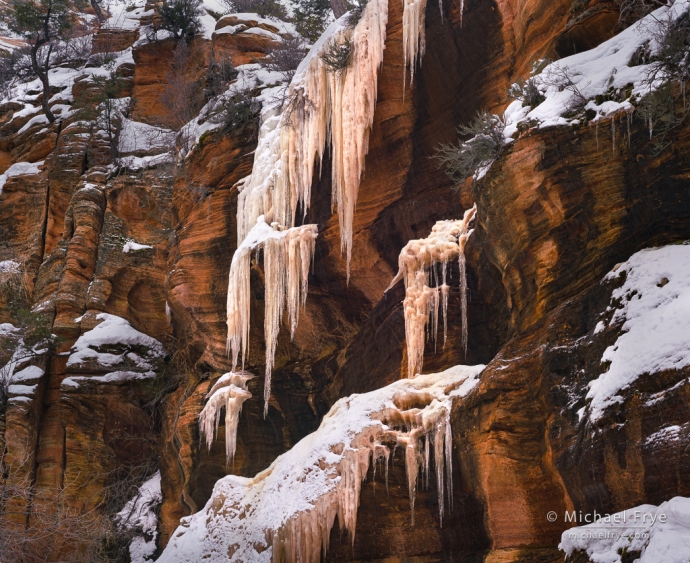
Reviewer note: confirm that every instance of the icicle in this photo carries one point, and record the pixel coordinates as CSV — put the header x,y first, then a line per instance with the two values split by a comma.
x,y
229,392
651,128
287,256
421,305
414,36
448,435
427,445
439,435
462,9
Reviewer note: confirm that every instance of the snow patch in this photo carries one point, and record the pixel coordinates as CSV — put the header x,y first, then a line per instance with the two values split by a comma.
x,y
139,514
103,345
19,169
659,533
131,246
654,315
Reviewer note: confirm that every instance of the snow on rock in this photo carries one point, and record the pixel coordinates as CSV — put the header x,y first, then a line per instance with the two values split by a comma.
x,y
285,513
28,374
7,329
594,72
139,139
653,310
10,267
417,263
658,534
114,343
287,256
19,169
139,516
131,246
228,393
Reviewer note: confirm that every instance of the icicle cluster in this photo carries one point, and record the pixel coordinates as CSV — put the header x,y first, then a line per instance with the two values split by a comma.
x,y
285,514
229,392
287,257
425,293
414,36
323,107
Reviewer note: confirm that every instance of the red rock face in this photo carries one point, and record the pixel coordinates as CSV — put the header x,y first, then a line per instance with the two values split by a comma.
x,y
556,213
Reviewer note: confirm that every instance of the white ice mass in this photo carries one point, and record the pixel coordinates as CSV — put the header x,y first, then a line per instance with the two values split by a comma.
x,y
425,293
285,513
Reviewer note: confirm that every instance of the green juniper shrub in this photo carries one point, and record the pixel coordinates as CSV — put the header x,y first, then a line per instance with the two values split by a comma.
x,y
181,18
265,8
337,54
527,92
311,18
467,158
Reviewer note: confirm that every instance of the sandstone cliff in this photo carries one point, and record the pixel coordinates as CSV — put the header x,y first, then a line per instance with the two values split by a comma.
x,y
90,231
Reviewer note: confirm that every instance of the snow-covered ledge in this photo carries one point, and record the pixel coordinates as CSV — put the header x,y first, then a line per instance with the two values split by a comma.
x,y
285,513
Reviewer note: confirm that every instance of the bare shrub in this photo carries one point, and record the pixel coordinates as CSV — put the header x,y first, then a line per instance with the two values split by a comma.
x,y
238,112
632,10
219,75
665,107
563,78
33,524
469,158
286,57
183,95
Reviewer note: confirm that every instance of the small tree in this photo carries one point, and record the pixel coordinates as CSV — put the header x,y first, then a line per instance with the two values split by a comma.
x,y
336,56
181,18
311,17
43,24
471,157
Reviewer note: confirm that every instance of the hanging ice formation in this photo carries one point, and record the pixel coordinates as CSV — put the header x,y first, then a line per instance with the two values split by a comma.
x,y
414,32
425,293
228,393
335,108
287,256
285,513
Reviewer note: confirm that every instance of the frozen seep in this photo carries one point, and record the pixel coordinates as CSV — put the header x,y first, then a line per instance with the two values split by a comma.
x,y
425,294
287,257
285,513
228,393
320,107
